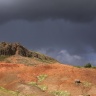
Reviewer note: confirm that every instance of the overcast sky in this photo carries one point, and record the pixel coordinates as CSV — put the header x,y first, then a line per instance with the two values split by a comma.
x,y
63,29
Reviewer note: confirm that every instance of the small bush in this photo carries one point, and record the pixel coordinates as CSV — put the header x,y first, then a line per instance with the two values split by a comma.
x,y
88,65
41,77
42,87
32,83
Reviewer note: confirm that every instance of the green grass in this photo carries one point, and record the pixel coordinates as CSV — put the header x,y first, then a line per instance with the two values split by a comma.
x,y
61,93
86,84
94,67
42,87
32,83
78,66
41,77
5,92
2,57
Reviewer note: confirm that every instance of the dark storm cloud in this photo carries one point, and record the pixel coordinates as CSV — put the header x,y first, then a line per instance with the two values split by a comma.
x,y
72,10
68,42
75,38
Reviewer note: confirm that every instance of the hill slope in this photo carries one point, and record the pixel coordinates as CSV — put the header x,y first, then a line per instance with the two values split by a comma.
x,y
16,53
49,79
46,78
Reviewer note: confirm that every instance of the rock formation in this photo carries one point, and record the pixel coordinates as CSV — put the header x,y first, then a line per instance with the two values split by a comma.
x,y
13,49
17,49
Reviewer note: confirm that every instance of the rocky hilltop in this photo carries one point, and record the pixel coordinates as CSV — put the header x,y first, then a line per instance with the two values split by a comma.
x,y
13,49
10,49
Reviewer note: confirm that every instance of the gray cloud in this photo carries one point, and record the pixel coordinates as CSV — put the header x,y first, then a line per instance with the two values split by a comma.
x,y
34,10
65,57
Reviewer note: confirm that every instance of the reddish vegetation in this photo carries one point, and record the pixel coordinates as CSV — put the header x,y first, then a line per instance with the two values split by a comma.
x,y
60,77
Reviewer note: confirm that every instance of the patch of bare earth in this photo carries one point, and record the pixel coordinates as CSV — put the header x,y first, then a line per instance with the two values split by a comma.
x,y
59,77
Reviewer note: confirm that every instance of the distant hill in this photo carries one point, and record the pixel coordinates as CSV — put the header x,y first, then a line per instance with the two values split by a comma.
x,y
16,52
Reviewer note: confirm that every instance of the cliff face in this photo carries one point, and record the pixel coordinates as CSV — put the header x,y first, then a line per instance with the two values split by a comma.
x,y
13,49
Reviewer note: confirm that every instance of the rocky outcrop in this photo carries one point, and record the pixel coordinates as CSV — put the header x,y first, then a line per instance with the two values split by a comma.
x,y
17,49
13,49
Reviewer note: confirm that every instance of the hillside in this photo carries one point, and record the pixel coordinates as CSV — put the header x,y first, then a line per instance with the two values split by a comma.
x,y
46,78
16,53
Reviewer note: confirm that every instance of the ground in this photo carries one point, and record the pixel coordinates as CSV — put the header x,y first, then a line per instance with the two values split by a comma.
x,y
46,79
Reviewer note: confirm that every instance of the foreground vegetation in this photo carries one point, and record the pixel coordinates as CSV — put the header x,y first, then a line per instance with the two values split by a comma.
x,y
88,65
3,57
61,93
